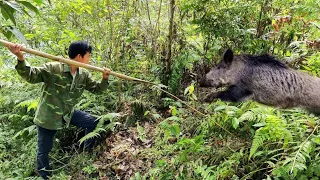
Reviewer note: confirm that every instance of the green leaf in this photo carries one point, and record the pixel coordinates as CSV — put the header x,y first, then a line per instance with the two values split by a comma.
x,y
39,2
316,140
257,142
175,130
194,97
141,132
33,105
186,90
4,13
29,6
29,36
146,113
191,89
235,123
89,136
261,124
7,13
14,6
8,34
156,116
160,163
174,118
174,111
18,35
109,116
221,107
88,9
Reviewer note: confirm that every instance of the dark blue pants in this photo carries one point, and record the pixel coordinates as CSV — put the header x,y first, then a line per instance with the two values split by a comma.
x,y
46,136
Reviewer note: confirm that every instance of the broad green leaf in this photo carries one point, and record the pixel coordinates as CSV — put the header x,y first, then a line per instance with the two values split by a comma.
x,y
174,111
30,6
18,35
29,36
7,13
39,2
175,130
191,89
235,123
14,5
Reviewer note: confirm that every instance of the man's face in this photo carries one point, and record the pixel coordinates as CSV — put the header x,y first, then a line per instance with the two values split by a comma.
x,y
85,59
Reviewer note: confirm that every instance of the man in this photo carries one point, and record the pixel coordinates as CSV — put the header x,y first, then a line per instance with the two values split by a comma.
x,y
62,88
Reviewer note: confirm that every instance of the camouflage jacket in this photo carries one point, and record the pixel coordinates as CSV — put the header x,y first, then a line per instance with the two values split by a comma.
x,y
59,93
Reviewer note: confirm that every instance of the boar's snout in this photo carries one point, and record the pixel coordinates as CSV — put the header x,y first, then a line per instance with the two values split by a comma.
x,y
203,82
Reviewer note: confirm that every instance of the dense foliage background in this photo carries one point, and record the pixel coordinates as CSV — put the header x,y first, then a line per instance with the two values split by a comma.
x,y
153,136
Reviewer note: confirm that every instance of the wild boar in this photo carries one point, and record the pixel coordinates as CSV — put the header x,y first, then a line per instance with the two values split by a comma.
x,y
263,79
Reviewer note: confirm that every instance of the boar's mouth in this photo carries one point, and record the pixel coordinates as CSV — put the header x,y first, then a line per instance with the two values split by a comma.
x,y
207,84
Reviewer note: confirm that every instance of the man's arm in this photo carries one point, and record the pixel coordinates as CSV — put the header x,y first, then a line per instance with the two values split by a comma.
x,y
96,87
30,74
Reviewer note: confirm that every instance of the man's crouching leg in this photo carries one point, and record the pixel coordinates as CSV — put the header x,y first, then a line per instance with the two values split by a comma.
x,y
86,121
45,143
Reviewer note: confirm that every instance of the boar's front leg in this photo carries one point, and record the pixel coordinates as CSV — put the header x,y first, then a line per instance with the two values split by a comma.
x,y
211,97
232,94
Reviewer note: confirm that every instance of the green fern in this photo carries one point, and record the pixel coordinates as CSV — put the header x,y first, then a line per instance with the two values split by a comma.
x,y
93,134
101,127
31,130
259,138
29,104
295,162
205,172
258,114
274,129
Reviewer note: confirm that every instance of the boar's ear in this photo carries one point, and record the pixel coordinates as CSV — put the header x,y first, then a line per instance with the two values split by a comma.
x,y
228,56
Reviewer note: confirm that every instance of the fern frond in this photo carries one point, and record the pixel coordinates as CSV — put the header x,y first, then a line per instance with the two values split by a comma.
x,y
29,104
28,130
258,141
258,114
275,129
204,171
89,136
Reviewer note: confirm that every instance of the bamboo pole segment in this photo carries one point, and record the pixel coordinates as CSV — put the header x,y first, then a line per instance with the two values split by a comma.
x,y
71,62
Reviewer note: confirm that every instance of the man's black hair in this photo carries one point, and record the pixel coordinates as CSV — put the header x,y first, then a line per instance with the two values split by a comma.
x,y
79,47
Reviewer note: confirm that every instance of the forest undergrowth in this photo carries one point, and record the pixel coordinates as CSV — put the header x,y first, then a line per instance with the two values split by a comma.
x,y
151,135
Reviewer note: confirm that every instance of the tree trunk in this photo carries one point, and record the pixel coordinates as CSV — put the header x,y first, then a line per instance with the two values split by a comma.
x,y
262,23
167,61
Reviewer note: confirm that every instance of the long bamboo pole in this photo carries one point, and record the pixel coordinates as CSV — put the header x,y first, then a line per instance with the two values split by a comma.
x,y
71,62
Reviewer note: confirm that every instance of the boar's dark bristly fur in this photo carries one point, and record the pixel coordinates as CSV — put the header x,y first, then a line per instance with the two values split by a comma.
x,y
263,79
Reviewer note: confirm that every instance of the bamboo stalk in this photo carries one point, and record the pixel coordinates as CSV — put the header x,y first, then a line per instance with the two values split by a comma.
x,y
71,62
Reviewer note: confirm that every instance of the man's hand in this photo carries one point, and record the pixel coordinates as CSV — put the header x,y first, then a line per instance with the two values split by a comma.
x,y
16,50
106,73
